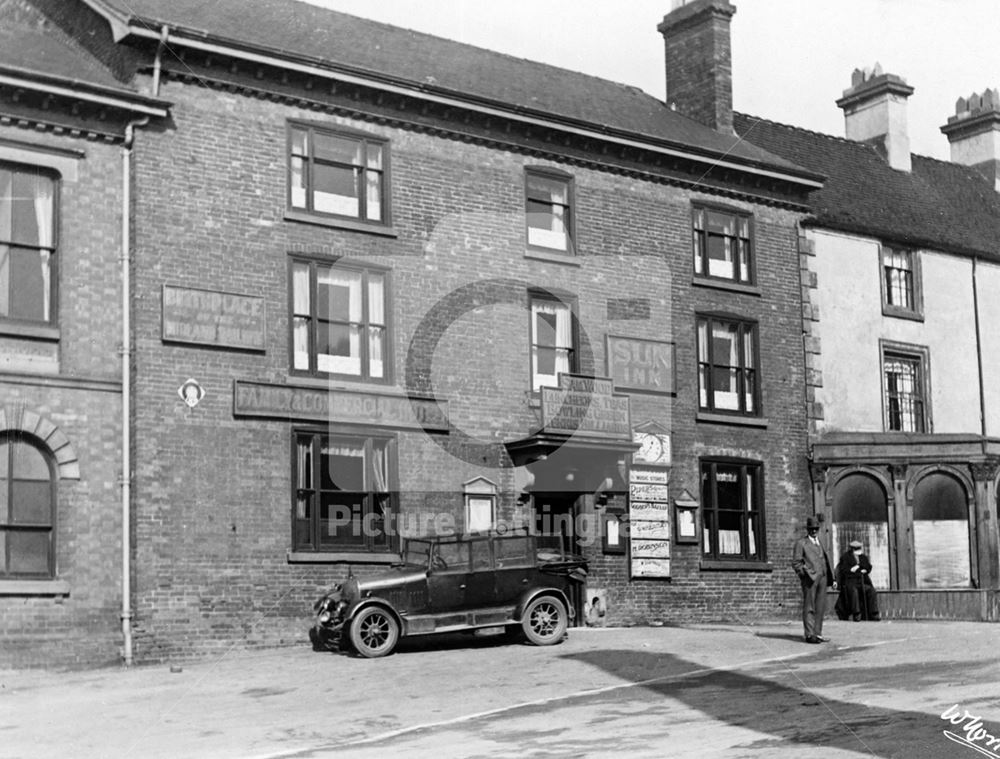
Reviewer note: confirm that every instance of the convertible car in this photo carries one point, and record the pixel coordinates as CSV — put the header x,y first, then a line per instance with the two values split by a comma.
x,y
450,584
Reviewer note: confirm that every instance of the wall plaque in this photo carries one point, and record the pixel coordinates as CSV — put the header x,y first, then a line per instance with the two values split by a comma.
x,y
586,406
257,399
211,317
639,364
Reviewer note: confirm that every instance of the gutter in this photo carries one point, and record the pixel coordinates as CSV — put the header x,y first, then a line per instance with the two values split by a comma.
x,y
486,108
76,89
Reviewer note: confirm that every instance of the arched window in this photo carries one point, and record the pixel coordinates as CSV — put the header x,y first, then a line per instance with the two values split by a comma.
x,y
941,533
27,509
861,512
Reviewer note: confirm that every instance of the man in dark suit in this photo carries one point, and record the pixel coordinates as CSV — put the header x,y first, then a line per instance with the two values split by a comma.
x,y
857,599
812,565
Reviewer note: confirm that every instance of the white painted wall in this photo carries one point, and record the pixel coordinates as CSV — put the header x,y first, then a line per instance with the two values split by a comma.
x,y
849,296
988,278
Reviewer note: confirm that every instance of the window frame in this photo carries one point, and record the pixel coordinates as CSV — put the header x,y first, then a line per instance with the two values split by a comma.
x,y
708,522
916,311
700,247
743,325
21,326
316,436
537,295
346,133
551,174
13,438
911,353
314,263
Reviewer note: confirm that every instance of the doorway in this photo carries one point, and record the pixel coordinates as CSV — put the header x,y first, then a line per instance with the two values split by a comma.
x,y
556,527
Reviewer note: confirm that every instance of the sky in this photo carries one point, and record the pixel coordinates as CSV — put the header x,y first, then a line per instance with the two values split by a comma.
x,y
791,58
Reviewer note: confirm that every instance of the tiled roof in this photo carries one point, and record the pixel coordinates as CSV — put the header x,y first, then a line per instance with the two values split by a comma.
x,y
938,204
45,49
301,30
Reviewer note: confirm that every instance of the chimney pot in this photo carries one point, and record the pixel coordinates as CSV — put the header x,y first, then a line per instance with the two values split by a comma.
x,y
974,134
875,113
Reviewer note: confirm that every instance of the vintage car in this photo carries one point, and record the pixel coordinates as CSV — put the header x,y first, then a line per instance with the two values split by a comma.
x,y
449,584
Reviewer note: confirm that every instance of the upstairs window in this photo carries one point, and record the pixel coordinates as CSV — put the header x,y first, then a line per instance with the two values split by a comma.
x,y
552,341
27,244
549,207
904,374
727,366
723,245
338,174
27,510
900,282
339,323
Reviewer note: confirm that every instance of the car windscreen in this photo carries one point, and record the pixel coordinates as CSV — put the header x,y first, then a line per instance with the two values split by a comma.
x,y
416,552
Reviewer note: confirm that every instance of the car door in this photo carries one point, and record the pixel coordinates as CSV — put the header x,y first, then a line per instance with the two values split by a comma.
x,y
515,565
448,575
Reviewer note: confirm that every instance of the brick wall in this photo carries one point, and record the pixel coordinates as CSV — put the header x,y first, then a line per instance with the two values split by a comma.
x,y
79,626
212,492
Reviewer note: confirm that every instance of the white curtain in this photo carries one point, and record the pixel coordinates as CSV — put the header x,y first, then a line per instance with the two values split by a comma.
x,y
376,321
563,341
725,347
343,284
300,307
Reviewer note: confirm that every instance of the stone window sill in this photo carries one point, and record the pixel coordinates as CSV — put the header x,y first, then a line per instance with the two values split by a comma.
x,y
739,421
34,588
337,223
330,557
721,284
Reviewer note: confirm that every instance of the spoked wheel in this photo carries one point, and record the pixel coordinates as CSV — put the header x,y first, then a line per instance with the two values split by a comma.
x,y
544,621
374,632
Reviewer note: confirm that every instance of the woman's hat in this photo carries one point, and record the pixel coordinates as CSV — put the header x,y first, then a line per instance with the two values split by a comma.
x,y
856,544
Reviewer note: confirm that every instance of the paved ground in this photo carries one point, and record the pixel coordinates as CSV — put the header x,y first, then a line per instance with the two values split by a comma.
x,y
877,689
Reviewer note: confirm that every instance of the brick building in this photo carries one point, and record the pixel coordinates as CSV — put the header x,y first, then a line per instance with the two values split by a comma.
x,y
904,410
63,150
420,286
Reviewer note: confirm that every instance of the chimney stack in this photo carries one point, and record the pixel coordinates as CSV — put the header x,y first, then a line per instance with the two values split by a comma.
x,y
875,113
974,134
699,61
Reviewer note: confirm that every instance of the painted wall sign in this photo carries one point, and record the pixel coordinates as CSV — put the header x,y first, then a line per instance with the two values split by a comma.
x,y
256,399
645,492
650,549
639,364
586,406
651,567
210,317
640,530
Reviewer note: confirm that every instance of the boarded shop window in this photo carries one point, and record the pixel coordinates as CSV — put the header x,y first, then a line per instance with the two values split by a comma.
x,y
342,500
549,209
723,245
339,321
941,546
337,173
27,510
861,512
733,510
904,375
27,244
552,341
727,366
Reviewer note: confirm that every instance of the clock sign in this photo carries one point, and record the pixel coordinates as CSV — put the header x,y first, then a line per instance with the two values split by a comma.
x,y
654,448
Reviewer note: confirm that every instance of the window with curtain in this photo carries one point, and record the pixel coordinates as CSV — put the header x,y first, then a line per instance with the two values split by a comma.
x,y
27,244
941,545
339,321
338,173
732,510
861,512
27,510
727,366
342,499
723,245
552,341
548,201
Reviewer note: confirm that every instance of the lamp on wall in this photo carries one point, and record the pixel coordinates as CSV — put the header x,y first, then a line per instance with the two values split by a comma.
x,y
601,495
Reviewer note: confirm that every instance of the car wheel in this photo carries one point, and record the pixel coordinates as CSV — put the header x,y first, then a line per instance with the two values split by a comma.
x,y
544,621
374,632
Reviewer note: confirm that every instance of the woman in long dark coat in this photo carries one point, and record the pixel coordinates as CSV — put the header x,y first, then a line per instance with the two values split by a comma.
x,y
858,599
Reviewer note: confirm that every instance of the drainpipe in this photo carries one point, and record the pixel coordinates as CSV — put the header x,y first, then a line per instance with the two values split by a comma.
x,y
979,351
158,60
